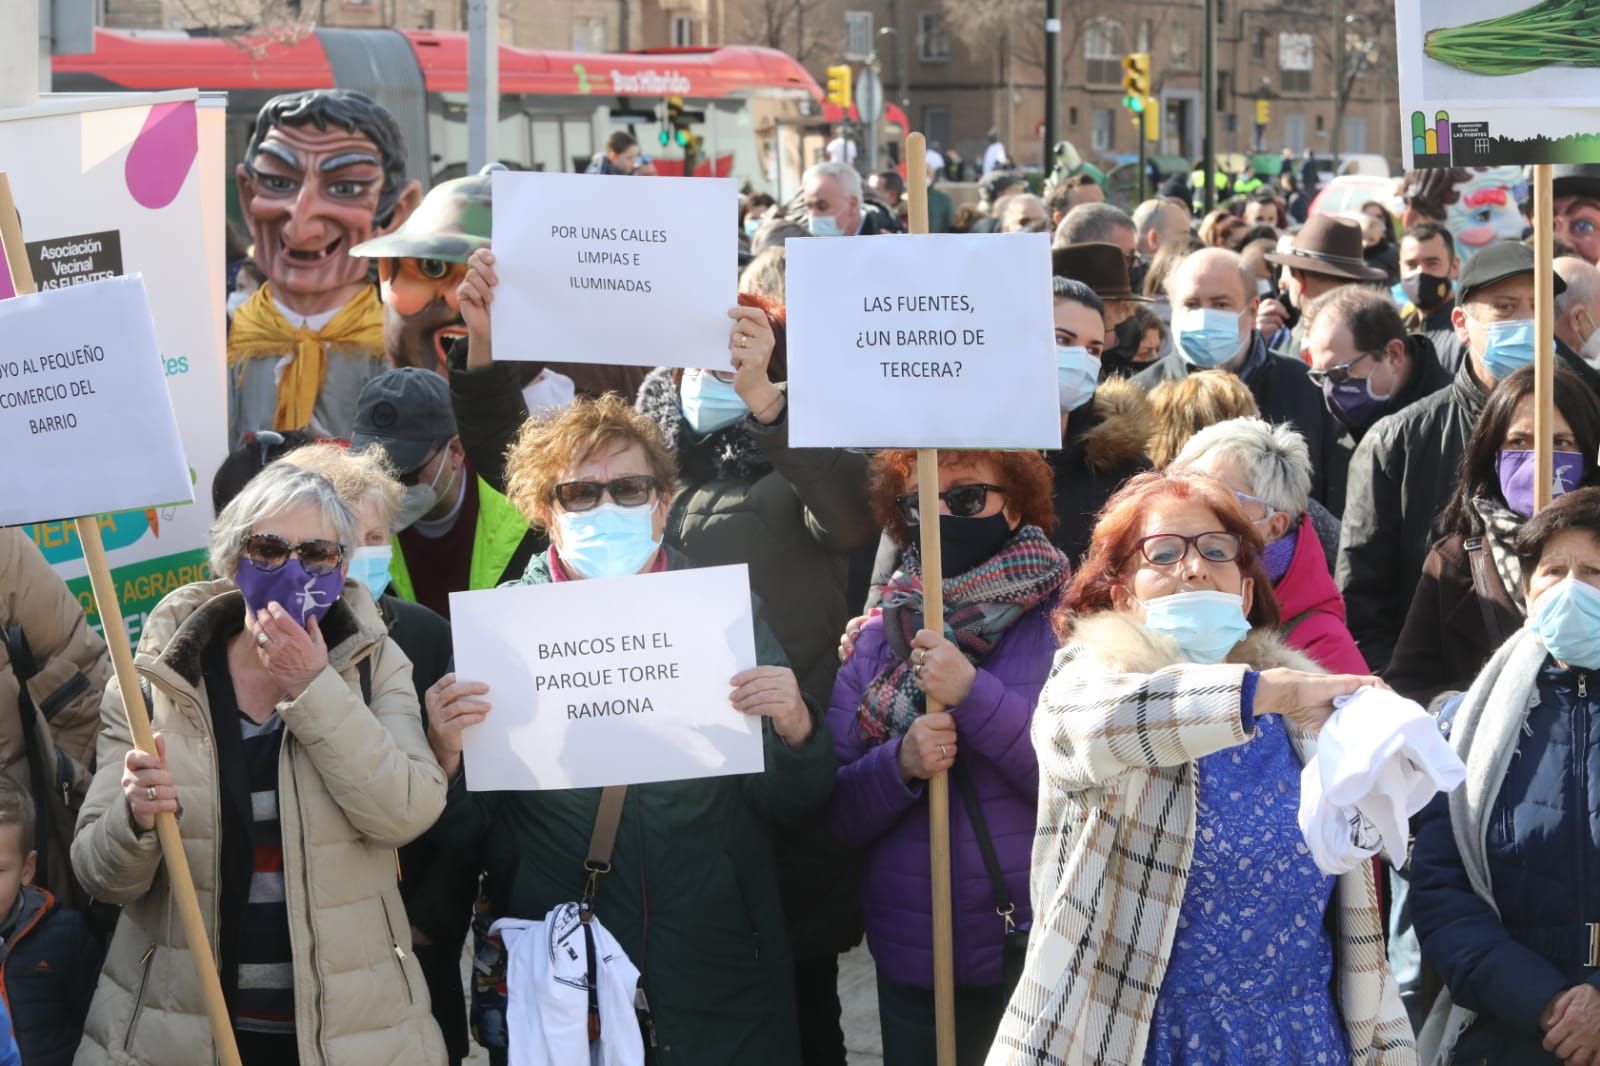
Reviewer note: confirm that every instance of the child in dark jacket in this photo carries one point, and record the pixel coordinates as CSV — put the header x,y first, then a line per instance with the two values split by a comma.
x,y
49,958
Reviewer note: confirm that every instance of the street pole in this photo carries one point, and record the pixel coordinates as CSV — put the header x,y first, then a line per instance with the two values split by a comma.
x,y
1143,158
19,56
483,84
1209,87
1338,81
1052,80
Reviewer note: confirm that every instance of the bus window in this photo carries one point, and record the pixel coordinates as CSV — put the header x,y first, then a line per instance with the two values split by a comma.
x,y
513,145
547,145
730,142
579,133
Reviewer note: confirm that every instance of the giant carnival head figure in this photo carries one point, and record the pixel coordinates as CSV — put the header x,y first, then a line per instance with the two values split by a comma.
x,y
1478,205
324,171
421,264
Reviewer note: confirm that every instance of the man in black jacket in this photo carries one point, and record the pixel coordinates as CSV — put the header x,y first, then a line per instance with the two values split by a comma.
x,y
1404,469
1214,300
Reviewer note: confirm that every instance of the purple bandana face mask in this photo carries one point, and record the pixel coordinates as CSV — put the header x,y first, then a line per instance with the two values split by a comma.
x,y
297,592
1515,469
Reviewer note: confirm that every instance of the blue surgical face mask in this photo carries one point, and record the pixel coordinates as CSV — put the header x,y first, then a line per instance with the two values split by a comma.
x,y
370,566
825,226
1508,347
1206,625
1567,619
751,225
608,541
709,403
1205,336
1079,373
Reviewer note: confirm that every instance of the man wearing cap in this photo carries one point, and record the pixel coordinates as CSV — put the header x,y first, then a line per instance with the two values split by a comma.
x,y
1214,302
1326,255
454,533
1404,469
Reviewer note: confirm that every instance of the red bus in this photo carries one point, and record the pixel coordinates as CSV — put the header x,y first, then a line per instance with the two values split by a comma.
x,y
762,125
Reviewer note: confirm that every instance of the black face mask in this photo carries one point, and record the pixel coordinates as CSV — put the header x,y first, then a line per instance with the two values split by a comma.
x,y
1118,362
1426,291
966,543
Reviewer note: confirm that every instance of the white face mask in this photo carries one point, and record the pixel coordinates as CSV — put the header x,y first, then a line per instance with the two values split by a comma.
x,y
1591,347
419,499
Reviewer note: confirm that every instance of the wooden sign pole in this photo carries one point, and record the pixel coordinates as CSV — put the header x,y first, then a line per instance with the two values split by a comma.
x,y
1544,344
944,974
116,637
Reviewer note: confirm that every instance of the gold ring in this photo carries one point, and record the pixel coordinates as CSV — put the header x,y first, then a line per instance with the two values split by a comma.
x,y
150,794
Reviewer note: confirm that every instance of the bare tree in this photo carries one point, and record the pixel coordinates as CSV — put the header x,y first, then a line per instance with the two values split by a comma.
x,y
978,20
799,27
253,26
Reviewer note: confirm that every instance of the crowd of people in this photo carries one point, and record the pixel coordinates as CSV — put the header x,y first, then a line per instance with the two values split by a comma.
x,y
1296,463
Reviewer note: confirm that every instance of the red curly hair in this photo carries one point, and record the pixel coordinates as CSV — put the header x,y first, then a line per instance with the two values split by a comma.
x,y
1026,477
1121,524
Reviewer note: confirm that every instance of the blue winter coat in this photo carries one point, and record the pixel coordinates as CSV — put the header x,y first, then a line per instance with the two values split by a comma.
x,y
48,969
1543,852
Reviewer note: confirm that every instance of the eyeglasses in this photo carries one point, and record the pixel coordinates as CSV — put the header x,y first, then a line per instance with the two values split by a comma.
x,y
1170,549
631,491
1255,508
268,553
415,477
1336,374
964,501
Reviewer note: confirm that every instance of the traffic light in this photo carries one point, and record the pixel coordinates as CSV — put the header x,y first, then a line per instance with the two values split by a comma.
x,y
1152,119
678,129
669,128
1263,112
1135,80
839,86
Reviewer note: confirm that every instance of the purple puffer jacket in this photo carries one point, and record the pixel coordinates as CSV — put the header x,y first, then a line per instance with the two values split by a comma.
x,y
873,808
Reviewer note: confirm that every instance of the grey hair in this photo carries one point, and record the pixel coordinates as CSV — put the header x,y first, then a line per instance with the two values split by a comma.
x,y
281,487
1275,459
1015,204
1148,218
1092,223
1247,277
1583,284
843,173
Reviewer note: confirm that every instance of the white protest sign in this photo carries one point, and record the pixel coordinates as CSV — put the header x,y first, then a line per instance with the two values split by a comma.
x,y
939,341
617,681
85,421
602,268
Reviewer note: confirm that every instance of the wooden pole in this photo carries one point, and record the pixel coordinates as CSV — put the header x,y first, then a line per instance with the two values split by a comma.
x,y
944,952
116,636
1544,337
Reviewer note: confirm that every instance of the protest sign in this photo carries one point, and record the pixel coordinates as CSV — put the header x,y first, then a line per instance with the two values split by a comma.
x,y
1487,83
922,342
80,368
619,270
124,184
616,681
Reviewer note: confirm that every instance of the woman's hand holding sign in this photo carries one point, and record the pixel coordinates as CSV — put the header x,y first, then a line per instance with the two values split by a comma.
x,y
475,294
773,692
751,343
452,707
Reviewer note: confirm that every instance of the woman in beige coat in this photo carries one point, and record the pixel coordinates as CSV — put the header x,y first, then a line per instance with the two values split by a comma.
x,y
290,744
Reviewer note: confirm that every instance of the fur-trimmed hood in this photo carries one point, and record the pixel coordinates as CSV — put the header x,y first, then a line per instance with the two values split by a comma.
x,y
1123,420
1118,643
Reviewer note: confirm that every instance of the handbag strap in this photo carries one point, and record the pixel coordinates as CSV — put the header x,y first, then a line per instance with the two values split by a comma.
x,y
1480,584
24,667
602,841
991,861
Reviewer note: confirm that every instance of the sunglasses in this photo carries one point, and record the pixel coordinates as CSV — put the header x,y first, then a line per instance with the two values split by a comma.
x,y
964,501
1169,549
1336,374
1254,507
631,491
268,553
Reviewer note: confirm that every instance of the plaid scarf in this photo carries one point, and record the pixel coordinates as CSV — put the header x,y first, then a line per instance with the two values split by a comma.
x,y
979,606
1500,526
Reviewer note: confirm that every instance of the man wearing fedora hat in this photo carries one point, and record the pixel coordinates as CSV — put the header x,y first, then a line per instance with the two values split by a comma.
x,y
1326,255
1104,268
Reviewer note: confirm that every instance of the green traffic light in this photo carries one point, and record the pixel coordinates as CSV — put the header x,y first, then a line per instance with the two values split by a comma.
x,y
683,138
666,138
1133,103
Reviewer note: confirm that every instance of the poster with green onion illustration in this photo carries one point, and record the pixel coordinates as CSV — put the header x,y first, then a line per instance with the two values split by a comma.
x,y
1487,83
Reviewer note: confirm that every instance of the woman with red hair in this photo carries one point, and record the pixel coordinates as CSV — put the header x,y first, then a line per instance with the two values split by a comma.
x,y
1181,919
985,664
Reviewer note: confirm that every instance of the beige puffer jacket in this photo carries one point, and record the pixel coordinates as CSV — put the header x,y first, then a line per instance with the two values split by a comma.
x,y
354,784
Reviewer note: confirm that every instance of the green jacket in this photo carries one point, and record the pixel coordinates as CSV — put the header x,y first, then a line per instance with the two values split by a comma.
x,y
495,542
941,210
692,895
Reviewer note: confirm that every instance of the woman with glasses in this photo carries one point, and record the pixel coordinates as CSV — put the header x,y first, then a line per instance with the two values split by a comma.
x,y
1180,918
1268,469
985,665
692,895
1470,599
290,744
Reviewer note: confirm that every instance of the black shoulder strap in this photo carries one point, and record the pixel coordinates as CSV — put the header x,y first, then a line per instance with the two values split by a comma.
x,y
1293,624
1480,585
364,671
991,861
24,667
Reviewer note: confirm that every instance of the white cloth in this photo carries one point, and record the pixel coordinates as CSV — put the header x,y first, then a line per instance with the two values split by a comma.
x,y
548,393
547,993
994,157
842,150
934,161
1380,758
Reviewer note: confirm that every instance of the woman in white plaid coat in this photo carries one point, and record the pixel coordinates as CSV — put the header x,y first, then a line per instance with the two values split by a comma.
x,y
1178,917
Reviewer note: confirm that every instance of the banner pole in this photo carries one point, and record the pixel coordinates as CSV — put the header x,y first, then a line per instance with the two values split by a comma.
x,y
116,637
1544,374
944,974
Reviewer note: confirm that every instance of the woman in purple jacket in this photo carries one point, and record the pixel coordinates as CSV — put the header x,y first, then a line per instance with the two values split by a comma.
x,y
986,665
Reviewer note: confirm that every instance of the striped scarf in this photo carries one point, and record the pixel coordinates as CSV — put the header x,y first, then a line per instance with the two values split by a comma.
x,y
979,606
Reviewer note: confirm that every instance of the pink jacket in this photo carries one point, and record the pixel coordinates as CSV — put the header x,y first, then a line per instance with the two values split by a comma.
x,y
1313,611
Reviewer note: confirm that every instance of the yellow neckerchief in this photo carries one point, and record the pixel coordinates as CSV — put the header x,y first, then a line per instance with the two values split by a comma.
x,y
259,331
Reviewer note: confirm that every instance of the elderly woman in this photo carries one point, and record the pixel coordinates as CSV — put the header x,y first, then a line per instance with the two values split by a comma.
x,y
1501,888
1470,600
289,736
1180,917
1268,469
692,896
985,664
